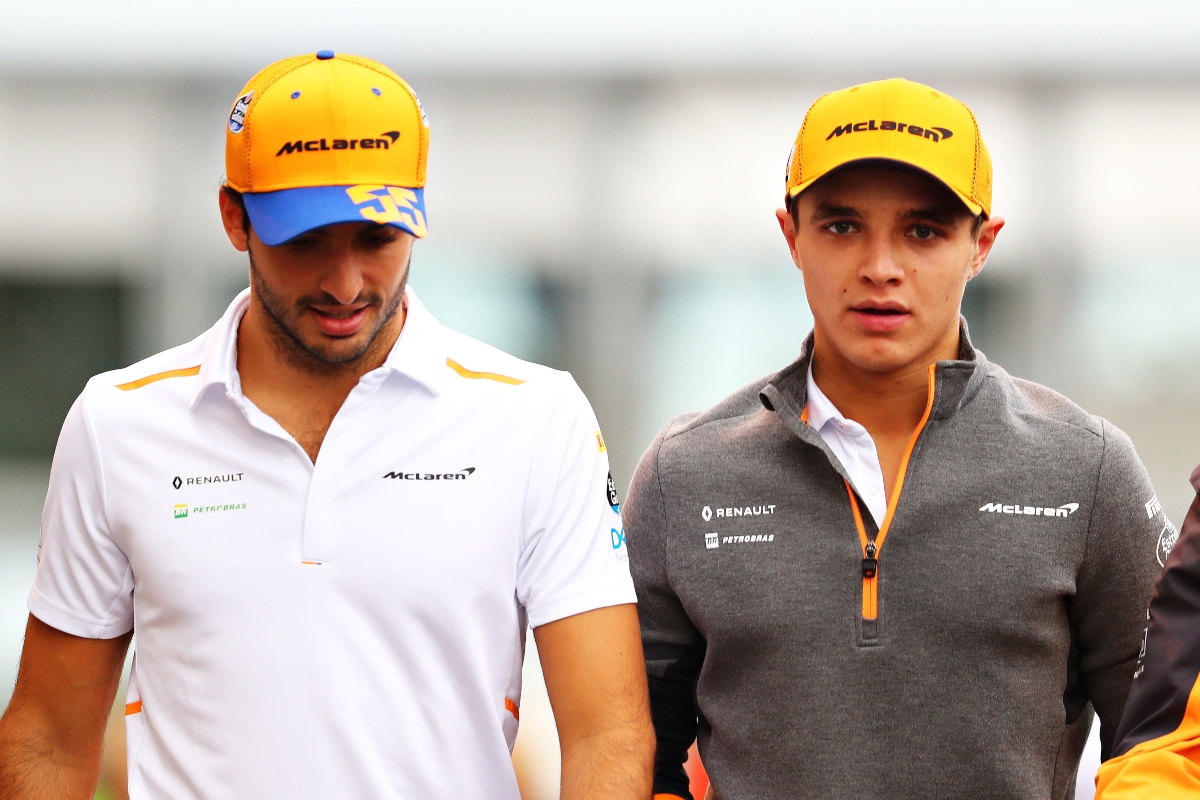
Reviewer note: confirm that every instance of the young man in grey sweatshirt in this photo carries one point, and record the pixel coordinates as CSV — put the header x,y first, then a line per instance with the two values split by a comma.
x,y
890,570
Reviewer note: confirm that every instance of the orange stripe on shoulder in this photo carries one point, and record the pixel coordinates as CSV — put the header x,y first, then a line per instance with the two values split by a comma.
x,y
512,708
133,708
486,376
187,372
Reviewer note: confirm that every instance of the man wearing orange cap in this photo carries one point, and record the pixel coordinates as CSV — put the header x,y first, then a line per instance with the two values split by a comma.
x,y
328,520
890,569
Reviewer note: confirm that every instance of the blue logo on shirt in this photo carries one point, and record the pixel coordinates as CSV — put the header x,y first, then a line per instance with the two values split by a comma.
x,y
618,538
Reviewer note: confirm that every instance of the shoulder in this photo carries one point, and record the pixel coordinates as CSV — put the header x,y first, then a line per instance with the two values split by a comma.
x,y
1033,403
736,418
163,377
478,369
1047,420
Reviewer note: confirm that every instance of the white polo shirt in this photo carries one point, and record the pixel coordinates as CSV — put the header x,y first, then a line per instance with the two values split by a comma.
x,y
350,629
853,446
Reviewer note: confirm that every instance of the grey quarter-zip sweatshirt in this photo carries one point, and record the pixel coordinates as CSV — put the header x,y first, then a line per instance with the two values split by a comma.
x,y
960,656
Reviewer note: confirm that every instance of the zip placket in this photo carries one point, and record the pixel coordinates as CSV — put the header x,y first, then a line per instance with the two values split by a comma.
x,y
871,547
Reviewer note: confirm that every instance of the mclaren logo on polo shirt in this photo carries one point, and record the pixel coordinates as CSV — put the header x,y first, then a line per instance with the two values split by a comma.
x,y
461,475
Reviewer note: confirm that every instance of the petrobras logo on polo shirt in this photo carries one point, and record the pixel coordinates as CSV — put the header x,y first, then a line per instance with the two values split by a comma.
x,y
1065,510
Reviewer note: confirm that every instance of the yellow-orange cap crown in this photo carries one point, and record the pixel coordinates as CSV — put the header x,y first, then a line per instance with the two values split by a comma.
x,y
325,120
896,120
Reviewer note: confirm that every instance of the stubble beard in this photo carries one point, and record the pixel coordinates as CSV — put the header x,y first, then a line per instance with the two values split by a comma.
x,y
283,330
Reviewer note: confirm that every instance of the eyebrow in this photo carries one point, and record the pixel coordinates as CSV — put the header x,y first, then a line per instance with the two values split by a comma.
x,y
939,214
826,210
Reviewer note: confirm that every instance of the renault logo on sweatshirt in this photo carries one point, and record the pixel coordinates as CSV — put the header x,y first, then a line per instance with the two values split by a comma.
x,y
738,511
1065,510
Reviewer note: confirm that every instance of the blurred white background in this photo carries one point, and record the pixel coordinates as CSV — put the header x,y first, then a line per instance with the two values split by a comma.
x,y
602,183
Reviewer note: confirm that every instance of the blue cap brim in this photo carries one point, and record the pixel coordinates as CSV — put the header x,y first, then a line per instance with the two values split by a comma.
x,y
283,215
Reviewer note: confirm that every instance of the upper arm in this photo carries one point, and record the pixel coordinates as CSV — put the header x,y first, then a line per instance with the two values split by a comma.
x,y
1156,753
1117,577
573,555
674,647
84,583
668,635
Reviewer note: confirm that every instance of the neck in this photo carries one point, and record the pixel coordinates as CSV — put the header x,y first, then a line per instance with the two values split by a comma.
x,y
270,362
889,403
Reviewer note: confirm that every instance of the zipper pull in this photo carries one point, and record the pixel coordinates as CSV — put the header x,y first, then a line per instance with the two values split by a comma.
x,y
870,564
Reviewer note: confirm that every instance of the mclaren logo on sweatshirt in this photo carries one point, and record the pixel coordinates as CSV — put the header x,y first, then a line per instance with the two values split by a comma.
x,y
1065,510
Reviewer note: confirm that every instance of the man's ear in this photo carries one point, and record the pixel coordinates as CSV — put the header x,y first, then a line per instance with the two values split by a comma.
x,y
787,225
984,242
233,218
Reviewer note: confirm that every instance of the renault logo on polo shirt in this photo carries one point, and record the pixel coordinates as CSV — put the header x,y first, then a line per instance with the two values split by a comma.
x,y
200,480
461,475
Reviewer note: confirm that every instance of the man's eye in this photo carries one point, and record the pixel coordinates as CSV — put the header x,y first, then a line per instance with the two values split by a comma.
x,y
303,242
380,237
841,228
923,232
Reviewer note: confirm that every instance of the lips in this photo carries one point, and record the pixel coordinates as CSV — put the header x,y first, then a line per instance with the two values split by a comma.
x,y
339,323
876,317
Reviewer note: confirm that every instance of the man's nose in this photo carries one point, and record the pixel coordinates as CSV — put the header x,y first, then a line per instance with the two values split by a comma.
x,y
879,265
343,281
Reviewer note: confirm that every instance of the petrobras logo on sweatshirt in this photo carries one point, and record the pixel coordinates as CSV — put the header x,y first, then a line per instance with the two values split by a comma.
x,y
1065,510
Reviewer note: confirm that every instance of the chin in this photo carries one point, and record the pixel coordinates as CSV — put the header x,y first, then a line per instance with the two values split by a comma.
x,y
879,354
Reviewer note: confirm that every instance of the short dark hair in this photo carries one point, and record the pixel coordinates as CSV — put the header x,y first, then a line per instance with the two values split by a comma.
x,y
236,198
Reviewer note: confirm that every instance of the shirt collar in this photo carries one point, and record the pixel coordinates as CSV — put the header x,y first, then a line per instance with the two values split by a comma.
x,y
418,353
820,408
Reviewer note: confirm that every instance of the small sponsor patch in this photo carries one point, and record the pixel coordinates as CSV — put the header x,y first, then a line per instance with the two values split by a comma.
x,y
618,545
1166,542
613,500
1152,507
237,117
706,513
181,511
712,540
600,442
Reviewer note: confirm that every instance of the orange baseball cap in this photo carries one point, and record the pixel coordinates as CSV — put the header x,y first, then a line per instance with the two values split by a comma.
x,y
324,138
894,120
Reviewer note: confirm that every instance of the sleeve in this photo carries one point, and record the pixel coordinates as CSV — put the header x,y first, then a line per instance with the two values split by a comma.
x,y
84,584
574,557
674,648
1126,531
1158,741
